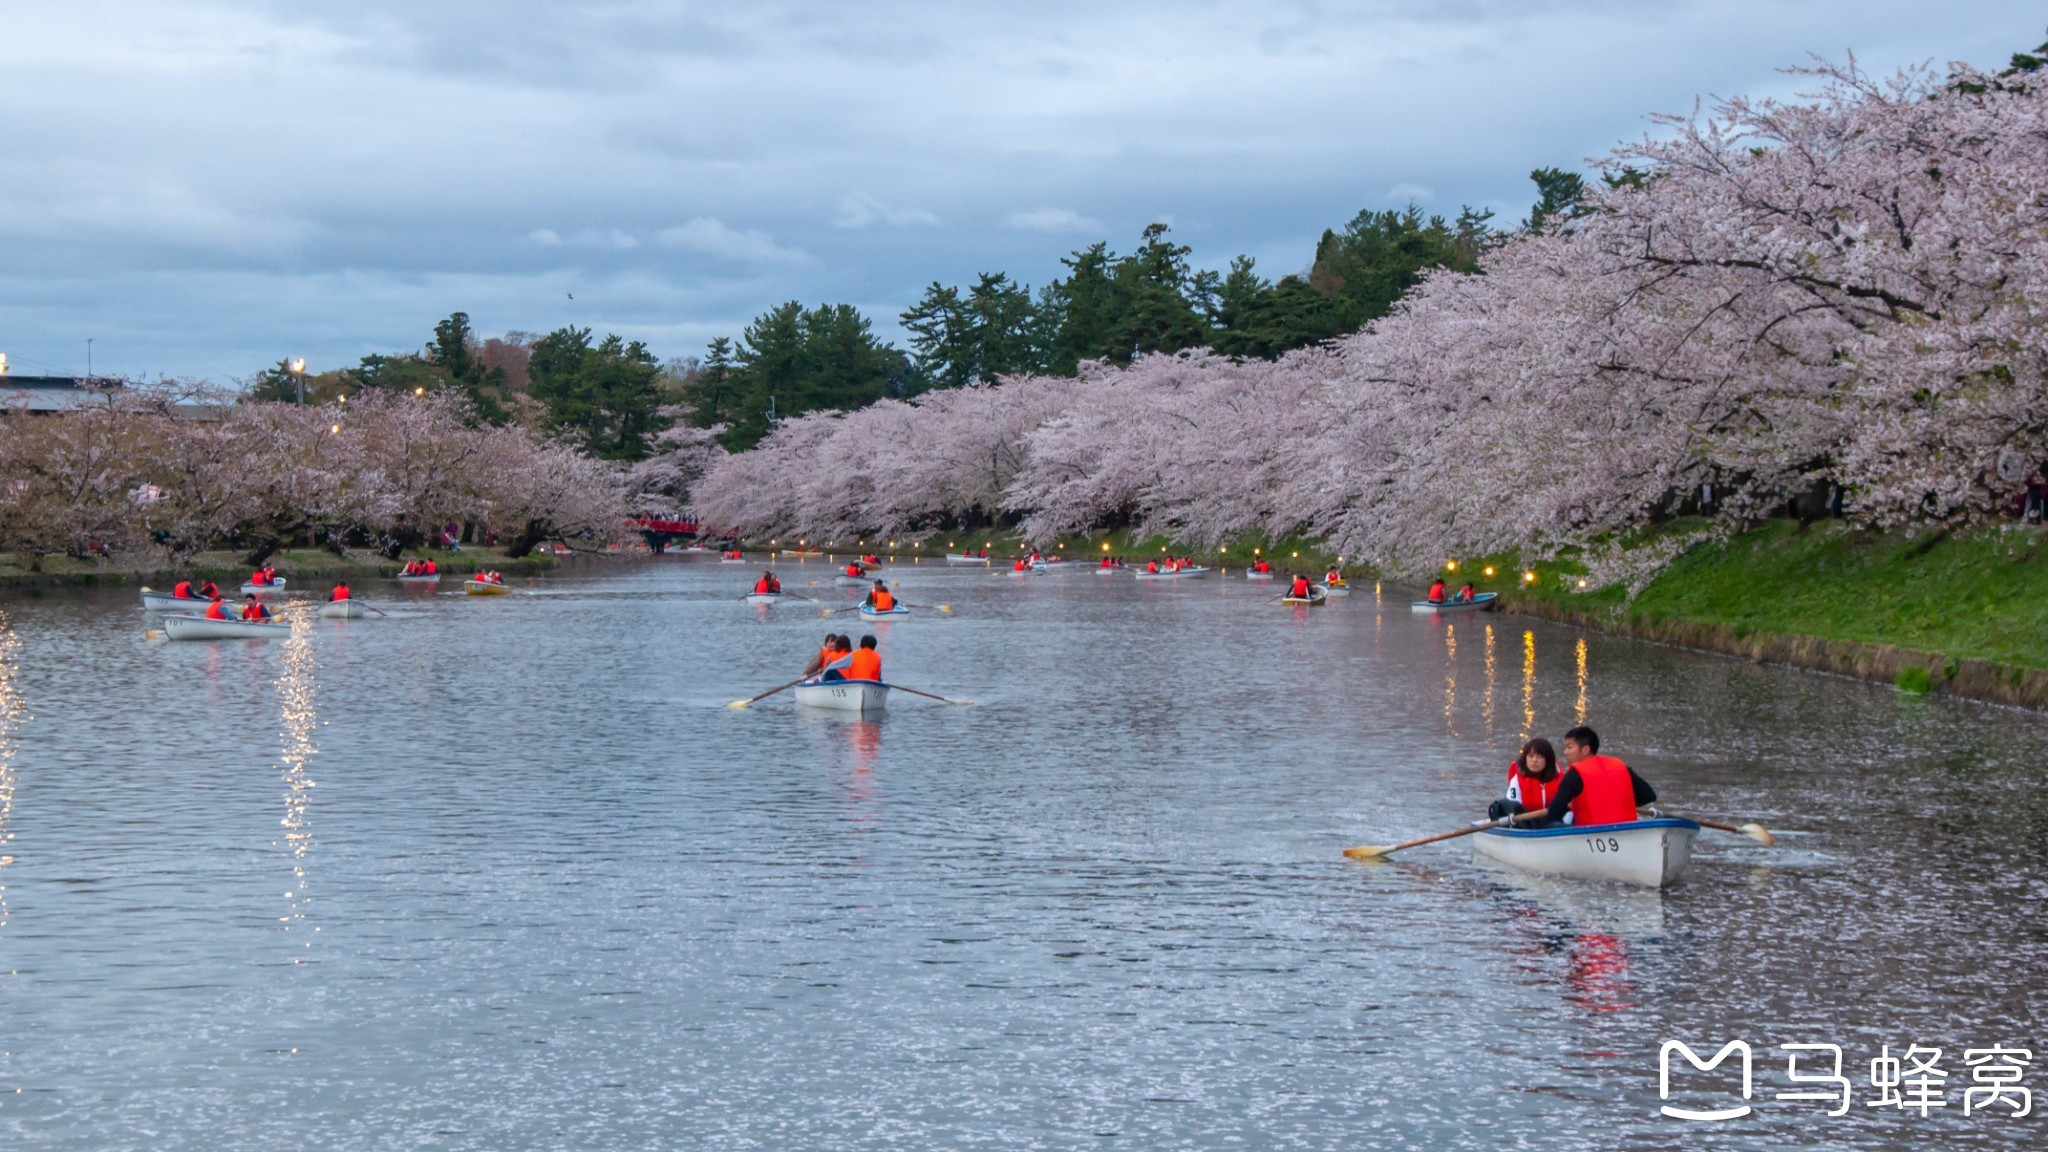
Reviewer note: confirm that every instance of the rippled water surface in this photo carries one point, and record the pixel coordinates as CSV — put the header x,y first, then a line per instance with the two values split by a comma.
x,y
507,874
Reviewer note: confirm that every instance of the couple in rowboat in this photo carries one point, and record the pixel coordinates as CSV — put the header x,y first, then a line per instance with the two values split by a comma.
x,y
838,659
1591,789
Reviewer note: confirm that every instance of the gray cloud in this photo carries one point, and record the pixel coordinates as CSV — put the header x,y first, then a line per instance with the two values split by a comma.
x,y
208,186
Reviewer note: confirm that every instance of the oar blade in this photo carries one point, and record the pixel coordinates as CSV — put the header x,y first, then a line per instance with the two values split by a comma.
x,y
1758,833
739,704
1367,852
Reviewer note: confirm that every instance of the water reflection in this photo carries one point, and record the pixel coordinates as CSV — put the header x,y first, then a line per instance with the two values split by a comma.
x,y
13,714
1528,684
1580,712
1486,706
296,709
1451,678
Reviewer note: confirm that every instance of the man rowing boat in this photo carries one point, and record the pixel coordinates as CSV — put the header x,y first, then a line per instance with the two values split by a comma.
x,y
880,599
1596,789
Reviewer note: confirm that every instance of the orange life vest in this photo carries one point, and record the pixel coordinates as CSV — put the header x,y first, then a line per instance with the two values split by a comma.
x,y
1533,793
1301,590
762,587
215,612
866,665
183,591
340,592
853,570
1436,591
433,569
884,600
252,611
1609,797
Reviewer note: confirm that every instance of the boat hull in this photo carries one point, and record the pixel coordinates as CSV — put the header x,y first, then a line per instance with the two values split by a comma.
x,y
867,613
844,695
200,628
1315,601
1645,853
344,610
845,581
1337,589
158,602
765,597
800,555
276,589
961,558
1479,603
1258,575
484,588
434,578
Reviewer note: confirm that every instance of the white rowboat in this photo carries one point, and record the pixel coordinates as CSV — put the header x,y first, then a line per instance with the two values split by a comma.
x,y
275,588
843,695
1647,853
1316,595
200,628
1338,589
1258,575
800,552
764,597
1477,603
344,610
423,578
867,613
159,602
964,558
845,581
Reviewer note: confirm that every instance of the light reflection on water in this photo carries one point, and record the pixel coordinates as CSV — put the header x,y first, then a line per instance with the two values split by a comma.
x,y
566,898
298,716
13,714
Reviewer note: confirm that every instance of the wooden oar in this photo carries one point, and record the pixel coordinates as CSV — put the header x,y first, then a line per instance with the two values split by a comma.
x,y
1756,832
947,699
1375,851
768,693
940,607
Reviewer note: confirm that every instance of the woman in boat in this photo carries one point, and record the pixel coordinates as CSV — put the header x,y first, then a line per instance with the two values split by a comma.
x,y
1436,591
340,591
1533,781
1333,578
1300,589
880,599
828,651
217,610
853,568
767,584
1466,593
1596,789
183,590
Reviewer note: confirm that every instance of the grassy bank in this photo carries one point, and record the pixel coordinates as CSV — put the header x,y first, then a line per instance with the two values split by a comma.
x,y
1978,596
301,566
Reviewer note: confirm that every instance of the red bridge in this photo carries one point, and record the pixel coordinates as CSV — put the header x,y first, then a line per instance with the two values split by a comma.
x,y
671,527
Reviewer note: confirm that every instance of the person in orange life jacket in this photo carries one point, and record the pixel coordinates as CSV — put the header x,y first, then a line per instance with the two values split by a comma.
x,y
183,590
1333,577
253,609
1151,565
433,569
864,663
340,591
1465,594
842,659
1596,789
1020,566
854,569
881,599
208,591
1300,589
1533,780
767,584
1436,592
216,611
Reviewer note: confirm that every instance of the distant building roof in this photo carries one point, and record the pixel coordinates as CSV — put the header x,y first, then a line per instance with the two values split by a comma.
x,y
52,393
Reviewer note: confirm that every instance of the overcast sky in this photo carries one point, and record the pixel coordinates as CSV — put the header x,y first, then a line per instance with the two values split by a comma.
x,y
203,188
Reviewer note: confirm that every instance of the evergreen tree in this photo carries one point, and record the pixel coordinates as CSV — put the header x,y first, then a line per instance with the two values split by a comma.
x,y
603,395
791,360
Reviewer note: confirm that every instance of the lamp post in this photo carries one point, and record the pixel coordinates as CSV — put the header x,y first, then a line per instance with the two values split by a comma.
x,y
298,371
